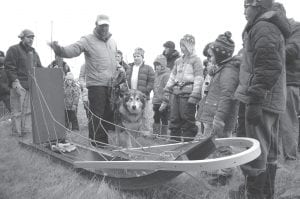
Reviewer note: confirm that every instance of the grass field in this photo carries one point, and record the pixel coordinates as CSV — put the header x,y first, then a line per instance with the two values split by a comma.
x,y
25,174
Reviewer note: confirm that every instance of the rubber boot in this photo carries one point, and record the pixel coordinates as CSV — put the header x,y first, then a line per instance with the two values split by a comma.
x,y
164,129
156,128
269,188
255,186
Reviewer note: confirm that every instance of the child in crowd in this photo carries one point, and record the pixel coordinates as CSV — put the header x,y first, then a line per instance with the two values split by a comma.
x,y
162,74
72,93
218,110
184,84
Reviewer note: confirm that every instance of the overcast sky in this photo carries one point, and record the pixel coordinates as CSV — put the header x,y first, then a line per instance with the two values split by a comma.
x,y
134,23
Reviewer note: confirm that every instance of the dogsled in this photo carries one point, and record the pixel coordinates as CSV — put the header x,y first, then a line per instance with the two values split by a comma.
x,y
127,168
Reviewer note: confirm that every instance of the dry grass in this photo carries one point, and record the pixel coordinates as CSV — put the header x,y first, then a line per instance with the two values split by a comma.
x,y
27,174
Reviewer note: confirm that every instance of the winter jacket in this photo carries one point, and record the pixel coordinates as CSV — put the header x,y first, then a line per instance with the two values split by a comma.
x,y
17,64
292,50
99,58
4,89
161,79
262,73
145,78
72,94
186,78
171,58
219,101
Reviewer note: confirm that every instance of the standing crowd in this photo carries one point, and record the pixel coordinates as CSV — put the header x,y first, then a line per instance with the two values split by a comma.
x,y
254,93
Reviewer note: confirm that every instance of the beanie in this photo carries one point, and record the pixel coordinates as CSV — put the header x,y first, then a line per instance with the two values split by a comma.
x,y
139,51
169,44
205,50
223,47
189,42
161,59
26,33
267,4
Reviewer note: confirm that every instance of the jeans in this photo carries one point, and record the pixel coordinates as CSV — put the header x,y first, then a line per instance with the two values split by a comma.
x,y
21,112
266,132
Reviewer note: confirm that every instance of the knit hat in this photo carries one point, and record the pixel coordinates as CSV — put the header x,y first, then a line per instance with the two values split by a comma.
x,y
205,50
279,8
160,59
169,44
26,33
102,19
139,51
189,42
223,47
267,4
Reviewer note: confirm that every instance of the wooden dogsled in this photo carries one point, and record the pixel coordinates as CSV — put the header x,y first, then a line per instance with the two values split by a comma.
x,y
128,168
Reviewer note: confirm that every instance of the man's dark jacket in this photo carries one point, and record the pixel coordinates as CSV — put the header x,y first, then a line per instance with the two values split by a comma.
x,y
17,63
262,73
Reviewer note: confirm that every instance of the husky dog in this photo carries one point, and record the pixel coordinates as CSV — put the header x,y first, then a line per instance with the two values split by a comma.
x,y
131,108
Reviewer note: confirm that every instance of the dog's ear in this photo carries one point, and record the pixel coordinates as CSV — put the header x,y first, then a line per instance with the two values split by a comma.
x,y
143,97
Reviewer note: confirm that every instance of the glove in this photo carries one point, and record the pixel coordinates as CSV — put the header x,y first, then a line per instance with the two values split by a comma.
x,y
54,45
254,114
163,106
17,86
218,128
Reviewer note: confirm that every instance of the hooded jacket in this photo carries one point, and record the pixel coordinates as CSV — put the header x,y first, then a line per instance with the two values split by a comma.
x,y
219,101
187,69
99,56
262,73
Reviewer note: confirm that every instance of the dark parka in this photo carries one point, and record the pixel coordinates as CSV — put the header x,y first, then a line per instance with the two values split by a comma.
x,y
17,63
262,72
219,101
4,89
293,55
145,78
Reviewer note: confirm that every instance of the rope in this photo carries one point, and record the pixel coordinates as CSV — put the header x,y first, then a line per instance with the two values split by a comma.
x,y
105,144
179,191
